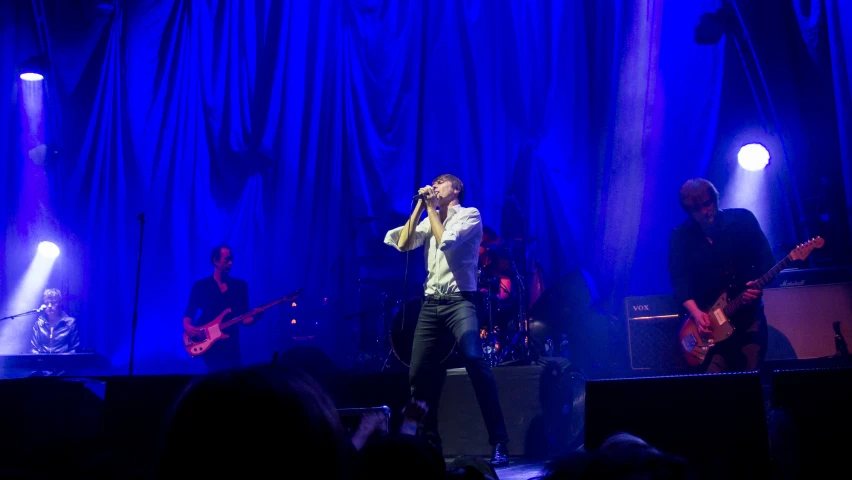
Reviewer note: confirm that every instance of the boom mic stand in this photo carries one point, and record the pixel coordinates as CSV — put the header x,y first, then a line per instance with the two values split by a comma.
x,y
35,310
339,262
141,218
522,335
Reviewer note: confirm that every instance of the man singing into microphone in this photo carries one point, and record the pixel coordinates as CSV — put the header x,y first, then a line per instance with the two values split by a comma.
x,y
450,235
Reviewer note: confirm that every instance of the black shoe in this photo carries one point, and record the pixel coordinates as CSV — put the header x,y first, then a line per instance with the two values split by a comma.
x,y
499,455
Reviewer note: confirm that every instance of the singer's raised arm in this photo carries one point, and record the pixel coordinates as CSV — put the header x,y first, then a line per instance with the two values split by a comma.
x,y
403,238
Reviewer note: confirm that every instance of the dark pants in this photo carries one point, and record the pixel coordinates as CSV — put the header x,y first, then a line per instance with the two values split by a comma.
x,y
746,348
452,315
224,355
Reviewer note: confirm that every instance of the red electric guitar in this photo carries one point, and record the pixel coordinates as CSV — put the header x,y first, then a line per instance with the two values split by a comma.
x,y
695,345
212,332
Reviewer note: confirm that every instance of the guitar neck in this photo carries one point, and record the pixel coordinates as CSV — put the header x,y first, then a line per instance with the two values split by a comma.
x,y
761,282
249,313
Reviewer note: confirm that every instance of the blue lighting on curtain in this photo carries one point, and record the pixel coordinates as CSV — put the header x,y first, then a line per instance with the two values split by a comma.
x,y
297,132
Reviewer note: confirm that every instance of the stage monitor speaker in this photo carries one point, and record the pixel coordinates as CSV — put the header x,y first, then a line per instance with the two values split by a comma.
x,y
717,422
653,323
801,306
543,407
813,421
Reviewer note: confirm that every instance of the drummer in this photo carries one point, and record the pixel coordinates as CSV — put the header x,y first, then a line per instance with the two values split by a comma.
x,y
489,238
495,265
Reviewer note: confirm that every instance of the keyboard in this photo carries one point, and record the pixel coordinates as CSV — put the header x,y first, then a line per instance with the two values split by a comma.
x,y
54,361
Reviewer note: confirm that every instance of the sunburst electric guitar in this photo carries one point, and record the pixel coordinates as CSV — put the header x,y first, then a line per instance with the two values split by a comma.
x,y
212,332
695,345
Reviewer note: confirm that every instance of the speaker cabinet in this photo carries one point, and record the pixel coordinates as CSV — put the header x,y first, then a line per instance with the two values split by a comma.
x,y
717,421
653,323
800,310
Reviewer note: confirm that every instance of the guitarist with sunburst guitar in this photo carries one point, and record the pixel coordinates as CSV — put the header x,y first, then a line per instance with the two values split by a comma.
x,y
209,298
719,262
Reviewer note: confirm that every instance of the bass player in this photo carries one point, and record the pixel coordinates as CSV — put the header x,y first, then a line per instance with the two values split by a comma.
x,y
211,296
713,250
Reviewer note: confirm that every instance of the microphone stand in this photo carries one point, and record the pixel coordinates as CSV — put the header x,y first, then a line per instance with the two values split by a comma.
x,y
141,218
524,247
338,261
19,314
521,276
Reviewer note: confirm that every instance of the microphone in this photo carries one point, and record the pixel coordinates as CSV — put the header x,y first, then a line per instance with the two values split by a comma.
x,y
36,310
417,197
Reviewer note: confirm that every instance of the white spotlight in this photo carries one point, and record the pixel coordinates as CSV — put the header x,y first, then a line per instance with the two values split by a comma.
x,y
48,250
753,157
32,77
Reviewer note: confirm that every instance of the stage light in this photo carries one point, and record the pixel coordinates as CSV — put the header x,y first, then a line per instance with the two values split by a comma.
x,y
48,250
753,157
32,77
33,69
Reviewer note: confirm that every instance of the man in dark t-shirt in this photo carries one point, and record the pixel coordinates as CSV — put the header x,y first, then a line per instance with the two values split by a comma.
x,y
211,296
710,252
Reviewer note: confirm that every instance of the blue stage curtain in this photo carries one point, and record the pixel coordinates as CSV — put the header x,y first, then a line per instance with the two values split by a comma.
x,y
839,23
282,127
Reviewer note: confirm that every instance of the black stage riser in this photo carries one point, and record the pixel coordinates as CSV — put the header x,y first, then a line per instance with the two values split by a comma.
x,y
542,407
716,421
724,424
813,421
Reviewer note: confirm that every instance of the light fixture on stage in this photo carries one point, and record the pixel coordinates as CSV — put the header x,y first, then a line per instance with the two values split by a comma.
x,y
727,23
33,69
753,157
48,250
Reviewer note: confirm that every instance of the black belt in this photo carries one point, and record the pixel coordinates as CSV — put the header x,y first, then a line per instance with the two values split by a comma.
x,y
450,297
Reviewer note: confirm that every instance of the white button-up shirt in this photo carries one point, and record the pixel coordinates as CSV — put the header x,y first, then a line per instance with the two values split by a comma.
x,y
452,264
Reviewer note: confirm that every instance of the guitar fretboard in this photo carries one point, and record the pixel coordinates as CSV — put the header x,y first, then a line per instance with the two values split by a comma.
x,y
761,282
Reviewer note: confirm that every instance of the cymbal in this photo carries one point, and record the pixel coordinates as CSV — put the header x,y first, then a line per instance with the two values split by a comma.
x,y
520,240
495,252
509,243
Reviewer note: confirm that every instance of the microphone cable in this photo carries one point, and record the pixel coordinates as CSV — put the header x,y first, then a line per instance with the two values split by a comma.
x,y
407,253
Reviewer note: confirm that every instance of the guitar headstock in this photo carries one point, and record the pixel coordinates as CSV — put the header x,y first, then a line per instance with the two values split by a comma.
x,y
802,251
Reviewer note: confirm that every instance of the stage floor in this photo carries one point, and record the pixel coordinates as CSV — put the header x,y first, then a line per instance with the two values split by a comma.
x,y
520,470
